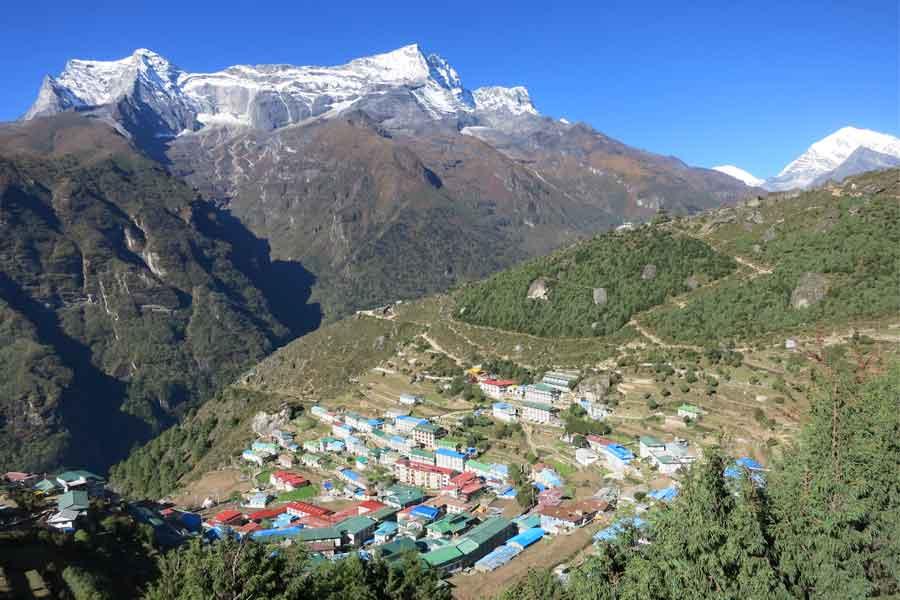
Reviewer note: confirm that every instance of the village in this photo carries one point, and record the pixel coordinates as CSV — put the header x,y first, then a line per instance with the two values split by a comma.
x,y
388,483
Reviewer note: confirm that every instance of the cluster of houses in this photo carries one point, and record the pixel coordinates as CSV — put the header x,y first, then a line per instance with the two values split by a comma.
x,y
537,403
72,492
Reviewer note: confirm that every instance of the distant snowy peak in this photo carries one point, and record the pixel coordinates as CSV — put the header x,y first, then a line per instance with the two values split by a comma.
x,y
513,100
829,153
272,96
740,175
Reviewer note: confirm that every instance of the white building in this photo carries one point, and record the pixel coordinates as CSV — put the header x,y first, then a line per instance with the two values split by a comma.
x,y
496,388
450,459
585,457
503,411
537,412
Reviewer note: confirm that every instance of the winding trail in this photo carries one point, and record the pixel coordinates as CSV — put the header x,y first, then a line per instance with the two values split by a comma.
x,y
759,270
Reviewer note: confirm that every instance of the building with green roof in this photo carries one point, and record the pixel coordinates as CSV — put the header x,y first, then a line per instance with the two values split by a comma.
x,y
490,534
446,559
357,530
76,500
450,525
402,496
396,549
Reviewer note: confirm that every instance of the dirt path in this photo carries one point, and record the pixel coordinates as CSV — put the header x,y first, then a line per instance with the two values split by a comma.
x,y
659,342
759,270
441,349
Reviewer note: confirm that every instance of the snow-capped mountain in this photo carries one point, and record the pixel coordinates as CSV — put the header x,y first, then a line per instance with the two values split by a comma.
x,y
830,153
271,96
740,175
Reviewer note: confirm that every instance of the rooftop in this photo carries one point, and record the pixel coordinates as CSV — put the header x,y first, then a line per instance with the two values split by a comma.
x,y
539,406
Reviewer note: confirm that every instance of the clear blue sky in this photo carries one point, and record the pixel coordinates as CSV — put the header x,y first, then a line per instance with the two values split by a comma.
x,y
748,83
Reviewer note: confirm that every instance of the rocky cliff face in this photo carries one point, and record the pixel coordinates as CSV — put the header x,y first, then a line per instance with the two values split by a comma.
x,y
122,300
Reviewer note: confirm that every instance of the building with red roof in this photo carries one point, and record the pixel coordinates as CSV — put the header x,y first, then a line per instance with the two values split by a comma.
x,y
305,509
496,388
266,513
228,517
369,506
287,481
422,475
247,528
597,442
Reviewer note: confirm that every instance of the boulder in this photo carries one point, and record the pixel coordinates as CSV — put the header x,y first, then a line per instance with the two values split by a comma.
x,y
692,282
649,272
810,290
265,423
769,235
600,296
538,289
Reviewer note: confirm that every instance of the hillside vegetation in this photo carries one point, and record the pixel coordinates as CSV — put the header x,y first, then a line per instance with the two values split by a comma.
x,y
594,287
123,299
830,255
841,254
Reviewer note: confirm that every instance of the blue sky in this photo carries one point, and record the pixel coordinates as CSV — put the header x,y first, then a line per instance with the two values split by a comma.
x,y
747,83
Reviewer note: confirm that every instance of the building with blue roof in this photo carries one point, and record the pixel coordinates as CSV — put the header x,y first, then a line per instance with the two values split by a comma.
x,y
616,529
423,511
526,538
664,495
618,457
450,459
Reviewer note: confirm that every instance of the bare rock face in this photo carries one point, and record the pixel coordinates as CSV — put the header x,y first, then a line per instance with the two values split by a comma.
x,y
649,272
692,282
600,296
264,423
595,388
769,235
538,289
810,290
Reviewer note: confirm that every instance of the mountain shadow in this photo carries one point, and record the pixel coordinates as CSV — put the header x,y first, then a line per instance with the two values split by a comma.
x,y
287,285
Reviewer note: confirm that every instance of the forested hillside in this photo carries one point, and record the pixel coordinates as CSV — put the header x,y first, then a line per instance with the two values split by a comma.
x,y
594,287
124,299
829,255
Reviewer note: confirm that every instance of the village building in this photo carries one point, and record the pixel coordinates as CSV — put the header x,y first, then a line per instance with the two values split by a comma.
x,y
537,412
424,457
313,461
569,515
401,444
689,411
450,504
618,457
286,460
265,449
598,443
406,424
496,388
427,433
450,459
356,530
81,479
305,509
540,393
76,500
287,481
356,446
504,411
585,457
385,532
19,478
341,430
563,382
427,476
410,399
450,525
258,500
65,520
649,445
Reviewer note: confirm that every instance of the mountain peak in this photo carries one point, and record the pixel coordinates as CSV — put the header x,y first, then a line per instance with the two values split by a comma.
x,y
740,175
514,100
830,153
